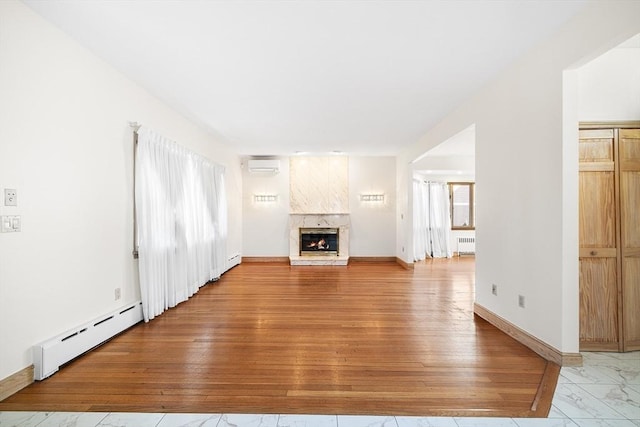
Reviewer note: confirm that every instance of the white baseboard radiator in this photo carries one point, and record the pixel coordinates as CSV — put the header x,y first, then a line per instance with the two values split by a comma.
x,y
466,245
234,260
49,355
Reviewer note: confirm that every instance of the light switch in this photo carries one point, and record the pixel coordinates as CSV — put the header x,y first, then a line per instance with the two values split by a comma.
x,y
10,197
11,223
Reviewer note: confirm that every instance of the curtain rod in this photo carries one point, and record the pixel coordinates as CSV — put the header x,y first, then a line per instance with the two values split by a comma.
x,y
135,126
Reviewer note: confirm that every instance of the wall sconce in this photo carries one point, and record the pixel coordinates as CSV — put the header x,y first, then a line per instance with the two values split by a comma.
x,y
265,198
372,198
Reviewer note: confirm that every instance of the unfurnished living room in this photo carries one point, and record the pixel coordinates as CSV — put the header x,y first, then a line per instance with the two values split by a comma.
x,y
320,213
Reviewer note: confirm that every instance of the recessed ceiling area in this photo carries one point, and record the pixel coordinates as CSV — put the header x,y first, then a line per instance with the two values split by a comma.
x,y
455,156
632,43
275,77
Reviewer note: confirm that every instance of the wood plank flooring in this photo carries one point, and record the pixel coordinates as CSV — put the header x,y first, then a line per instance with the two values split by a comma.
x,y
370,338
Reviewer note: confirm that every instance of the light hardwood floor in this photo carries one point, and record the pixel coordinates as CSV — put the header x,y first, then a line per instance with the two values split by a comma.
x,y
370,338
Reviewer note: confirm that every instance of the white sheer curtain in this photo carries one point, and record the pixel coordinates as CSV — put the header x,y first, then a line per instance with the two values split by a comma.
x,y
431,220
181,213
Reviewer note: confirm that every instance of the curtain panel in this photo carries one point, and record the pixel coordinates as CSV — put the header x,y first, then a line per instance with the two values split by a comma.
x,y
420,222
181,211
431,220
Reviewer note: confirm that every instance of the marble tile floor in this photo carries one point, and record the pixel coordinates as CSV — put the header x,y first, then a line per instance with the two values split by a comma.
x,y
604,392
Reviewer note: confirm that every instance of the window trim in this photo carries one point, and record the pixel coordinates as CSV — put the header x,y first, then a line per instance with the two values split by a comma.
x,y
472,191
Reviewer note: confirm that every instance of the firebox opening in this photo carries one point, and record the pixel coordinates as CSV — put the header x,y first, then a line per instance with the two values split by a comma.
x,y
319,241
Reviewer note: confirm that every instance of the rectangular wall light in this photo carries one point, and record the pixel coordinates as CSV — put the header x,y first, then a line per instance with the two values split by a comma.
x,y
372,197
265,198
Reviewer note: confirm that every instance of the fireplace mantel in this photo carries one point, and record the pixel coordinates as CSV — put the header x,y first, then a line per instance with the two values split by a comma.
x,y
340,221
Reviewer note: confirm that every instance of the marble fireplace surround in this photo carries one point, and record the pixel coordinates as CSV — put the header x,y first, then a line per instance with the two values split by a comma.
x,y
339,221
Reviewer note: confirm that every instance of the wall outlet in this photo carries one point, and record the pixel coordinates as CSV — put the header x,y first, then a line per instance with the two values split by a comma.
x,y
10,197
521,301
118,294
494,289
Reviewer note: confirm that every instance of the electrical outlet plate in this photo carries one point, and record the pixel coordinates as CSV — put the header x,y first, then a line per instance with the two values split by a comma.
x,y
10,197
521,301
118,293
494,289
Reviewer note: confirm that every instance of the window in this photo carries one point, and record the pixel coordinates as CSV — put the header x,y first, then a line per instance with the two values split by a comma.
x,y
461,195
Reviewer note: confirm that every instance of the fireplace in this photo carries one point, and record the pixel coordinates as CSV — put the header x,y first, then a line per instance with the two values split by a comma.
x,y
319,241
334,228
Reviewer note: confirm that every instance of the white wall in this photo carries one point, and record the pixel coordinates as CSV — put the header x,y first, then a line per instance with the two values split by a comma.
x,y
446,165
609,86
66,146
435,176
526,176
372,231
265,225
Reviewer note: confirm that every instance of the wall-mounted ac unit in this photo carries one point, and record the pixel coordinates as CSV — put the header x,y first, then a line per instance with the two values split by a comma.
x,y
264,165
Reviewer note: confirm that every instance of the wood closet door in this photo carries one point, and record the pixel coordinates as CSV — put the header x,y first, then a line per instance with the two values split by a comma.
x,y
629,156
599,280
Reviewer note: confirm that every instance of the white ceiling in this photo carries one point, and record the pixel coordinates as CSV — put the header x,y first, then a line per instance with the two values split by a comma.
x,y
276,77
463,144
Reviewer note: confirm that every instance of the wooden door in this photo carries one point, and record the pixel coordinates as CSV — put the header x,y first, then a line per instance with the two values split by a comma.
x,y
599,241
629,156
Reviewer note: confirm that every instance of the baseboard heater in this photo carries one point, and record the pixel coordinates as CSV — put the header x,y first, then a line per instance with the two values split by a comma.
x,y
234,260
466,245
49,355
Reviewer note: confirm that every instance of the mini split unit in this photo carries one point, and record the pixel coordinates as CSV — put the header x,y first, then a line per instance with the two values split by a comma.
x,y
264,166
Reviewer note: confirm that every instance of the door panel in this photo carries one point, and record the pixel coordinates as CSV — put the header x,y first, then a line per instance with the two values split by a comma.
x,y
630,208
598,303
598,234
631,302
629,155
596,145
597,210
